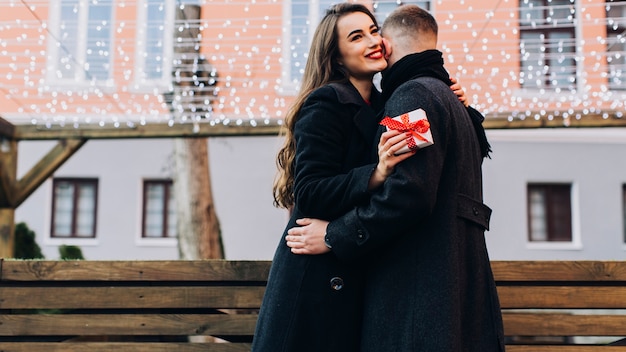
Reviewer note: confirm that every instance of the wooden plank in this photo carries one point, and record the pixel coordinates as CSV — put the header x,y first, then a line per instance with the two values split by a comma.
x,y
559,270
126,324
156,270
551,324
207,129
48,164
7,129
561,297
130,297
568,348
225,270
7,232
577,119
120,346
151,130
8,174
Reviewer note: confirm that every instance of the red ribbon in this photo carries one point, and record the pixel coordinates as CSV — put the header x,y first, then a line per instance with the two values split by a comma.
x,y
416,127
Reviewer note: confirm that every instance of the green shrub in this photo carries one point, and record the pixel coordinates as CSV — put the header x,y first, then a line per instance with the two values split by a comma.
x,y
70,252
25,245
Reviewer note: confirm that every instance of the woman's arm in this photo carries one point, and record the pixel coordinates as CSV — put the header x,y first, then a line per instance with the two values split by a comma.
x,y
459,91
333,163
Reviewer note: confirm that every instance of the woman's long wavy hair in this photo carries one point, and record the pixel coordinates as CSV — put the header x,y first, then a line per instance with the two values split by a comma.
x,y
321,68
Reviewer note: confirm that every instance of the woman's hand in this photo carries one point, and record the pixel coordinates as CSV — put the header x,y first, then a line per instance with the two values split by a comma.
x,y
390,142
459,91
308,238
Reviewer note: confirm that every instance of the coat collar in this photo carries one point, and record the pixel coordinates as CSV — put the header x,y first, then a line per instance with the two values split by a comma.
x,y
365,119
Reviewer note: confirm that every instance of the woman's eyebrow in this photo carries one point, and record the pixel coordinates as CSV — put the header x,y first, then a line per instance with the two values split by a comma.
x,y
360,30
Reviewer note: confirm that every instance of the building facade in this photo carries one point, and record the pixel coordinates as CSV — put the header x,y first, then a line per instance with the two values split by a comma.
x,y
557,193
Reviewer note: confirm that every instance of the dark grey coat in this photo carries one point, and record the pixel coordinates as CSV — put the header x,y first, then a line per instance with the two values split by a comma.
x,y
429,285
314,303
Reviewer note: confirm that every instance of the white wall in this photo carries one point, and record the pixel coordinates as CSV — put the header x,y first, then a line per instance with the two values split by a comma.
x,y
243,168
593,160
242,171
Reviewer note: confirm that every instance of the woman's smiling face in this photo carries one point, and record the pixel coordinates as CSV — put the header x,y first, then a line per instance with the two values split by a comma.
x,y
360,46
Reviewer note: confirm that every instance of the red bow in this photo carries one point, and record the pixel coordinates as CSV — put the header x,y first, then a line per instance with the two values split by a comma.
x,y
416,127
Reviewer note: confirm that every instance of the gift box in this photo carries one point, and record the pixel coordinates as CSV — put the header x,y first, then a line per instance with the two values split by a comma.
x,y
415,122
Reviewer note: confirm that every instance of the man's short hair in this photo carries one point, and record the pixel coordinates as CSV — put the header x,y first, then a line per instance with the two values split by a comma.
x,y
410,20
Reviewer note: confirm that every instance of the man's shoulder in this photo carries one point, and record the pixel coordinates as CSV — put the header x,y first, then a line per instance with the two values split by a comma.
x,y
430,94
417,91
425,83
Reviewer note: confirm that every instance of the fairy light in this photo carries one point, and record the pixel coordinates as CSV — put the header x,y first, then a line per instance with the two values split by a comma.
x,y
480,42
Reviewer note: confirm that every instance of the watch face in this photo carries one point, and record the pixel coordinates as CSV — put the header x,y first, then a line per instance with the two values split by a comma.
x,y
326,242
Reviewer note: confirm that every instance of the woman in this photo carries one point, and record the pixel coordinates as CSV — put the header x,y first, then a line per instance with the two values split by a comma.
x,y
313,303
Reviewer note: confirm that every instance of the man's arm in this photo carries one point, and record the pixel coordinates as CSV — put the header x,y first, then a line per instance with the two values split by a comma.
x,y
405,198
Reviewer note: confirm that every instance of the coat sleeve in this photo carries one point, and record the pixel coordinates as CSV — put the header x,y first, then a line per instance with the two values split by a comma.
x,y
323,187
408,195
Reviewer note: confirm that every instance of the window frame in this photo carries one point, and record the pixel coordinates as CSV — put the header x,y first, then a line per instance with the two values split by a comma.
x,y
551,205
291,84
75,182
80,77
545,32
168,185
576,242
624,212
142,80
615,32
389,6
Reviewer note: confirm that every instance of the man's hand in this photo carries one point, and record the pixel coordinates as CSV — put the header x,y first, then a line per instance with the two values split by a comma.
x,y
308,238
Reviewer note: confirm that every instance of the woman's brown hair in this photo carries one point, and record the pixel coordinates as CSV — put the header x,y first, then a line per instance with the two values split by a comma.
x,y
321,68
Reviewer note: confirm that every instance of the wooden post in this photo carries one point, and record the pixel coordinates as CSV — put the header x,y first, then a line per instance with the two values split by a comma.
x,y
7,232
8,175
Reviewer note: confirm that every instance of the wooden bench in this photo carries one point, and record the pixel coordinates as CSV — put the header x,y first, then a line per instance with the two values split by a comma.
x,y
189,306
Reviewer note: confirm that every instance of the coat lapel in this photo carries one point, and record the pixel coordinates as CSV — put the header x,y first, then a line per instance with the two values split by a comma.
x,y
348,94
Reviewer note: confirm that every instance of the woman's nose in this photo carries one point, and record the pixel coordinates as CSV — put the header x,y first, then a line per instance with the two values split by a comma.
x,y
375,40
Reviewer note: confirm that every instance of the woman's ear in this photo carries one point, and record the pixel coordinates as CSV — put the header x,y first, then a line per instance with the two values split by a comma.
x,y
387,48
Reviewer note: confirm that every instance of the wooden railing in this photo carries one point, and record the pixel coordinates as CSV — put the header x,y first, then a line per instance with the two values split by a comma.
x,y
188,306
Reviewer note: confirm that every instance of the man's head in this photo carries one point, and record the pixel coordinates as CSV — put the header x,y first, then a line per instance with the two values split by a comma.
x,y
407,30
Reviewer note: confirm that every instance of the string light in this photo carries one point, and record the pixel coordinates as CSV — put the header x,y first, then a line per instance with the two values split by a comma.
x,y
127,75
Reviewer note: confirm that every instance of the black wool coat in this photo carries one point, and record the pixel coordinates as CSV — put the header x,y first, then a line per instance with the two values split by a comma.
x,y
429,283
314,303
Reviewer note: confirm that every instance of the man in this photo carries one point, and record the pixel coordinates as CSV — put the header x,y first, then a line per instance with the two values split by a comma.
x,y
429,281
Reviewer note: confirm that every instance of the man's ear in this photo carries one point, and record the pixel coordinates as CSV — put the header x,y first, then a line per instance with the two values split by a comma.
x,y
387,48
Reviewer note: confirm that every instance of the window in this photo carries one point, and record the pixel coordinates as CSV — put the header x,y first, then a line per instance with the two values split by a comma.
x,y
303,18
80,47
548,44
616,43
155,19
159,209
74,205
549,213
384,7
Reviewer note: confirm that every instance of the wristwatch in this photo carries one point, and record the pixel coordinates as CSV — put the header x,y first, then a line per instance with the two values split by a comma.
x,y
326,242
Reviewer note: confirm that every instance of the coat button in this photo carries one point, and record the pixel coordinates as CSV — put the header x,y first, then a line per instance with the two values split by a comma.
x,y
336,283
475,210
360,234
